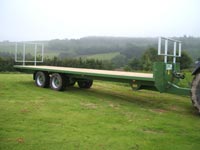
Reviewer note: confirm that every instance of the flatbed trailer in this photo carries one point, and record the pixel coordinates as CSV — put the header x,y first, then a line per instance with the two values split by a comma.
x,y
60,77
92,73
71,75
164,77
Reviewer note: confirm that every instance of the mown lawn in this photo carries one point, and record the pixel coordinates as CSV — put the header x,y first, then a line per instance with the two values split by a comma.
x,y
109,116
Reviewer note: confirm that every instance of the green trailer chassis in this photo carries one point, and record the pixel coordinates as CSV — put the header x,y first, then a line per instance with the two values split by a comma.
x,y
164,77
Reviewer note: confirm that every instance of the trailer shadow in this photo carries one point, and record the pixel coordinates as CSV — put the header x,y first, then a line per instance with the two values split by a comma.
x,y
151,100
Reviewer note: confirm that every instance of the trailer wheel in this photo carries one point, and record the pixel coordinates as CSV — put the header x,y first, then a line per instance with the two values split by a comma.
x,y
42,79
86,84
58,82
70,82
195,91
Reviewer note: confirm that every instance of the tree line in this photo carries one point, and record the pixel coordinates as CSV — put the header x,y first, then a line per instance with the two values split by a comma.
x,y
150,56
7,62
126,46
145,62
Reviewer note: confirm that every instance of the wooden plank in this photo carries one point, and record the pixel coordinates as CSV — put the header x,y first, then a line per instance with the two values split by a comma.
x,y
93,71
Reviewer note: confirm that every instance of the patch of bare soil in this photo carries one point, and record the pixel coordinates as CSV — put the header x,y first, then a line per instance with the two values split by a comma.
x,y
24,111
115,106
20,140
176,108
151,131
89,105
160,111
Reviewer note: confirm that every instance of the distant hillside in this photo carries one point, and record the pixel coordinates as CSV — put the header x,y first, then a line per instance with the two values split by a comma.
x,y
130,47
127,47
98,45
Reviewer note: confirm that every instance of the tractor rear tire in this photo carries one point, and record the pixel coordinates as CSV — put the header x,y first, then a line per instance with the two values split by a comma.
x,y
195,91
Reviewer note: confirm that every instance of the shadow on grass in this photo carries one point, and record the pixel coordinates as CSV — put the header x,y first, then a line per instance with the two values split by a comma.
x,y
151,100
144,99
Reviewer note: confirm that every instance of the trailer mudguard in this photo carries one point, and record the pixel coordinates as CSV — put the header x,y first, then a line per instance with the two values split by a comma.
x,y
197,69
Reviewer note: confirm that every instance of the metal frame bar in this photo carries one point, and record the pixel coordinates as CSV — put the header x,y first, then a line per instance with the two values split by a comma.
x,y
35,54
166,49
174,58
170,39
165,54
24,53
15,52
179,53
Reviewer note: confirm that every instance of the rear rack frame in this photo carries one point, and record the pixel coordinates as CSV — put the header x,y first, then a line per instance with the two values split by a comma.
x,y
35,61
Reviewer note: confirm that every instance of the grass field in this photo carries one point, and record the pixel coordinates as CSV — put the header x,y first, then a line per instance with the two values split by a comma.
x,y
109,116
104,56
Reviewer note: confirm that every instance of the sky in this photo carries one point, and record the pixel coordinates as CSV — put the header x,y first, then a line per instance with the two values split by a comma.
x,y
26,20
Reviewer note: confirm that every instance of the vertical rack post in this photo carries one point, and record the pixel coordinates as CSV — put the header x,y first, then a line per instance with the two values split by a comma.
x,y
174,57
166,47
159,45
179,53
24,55
42,52
16,52
35,54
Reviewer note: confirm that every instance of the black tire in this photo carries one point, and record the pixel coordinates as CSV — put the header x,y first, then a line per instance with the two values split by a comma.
x,y
86,84
58,82
195,92
42,79
70,82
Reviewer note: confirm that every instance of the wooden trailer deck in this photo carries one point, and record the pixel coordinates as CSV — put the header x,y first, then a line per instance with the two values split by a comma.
x,y
91,72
